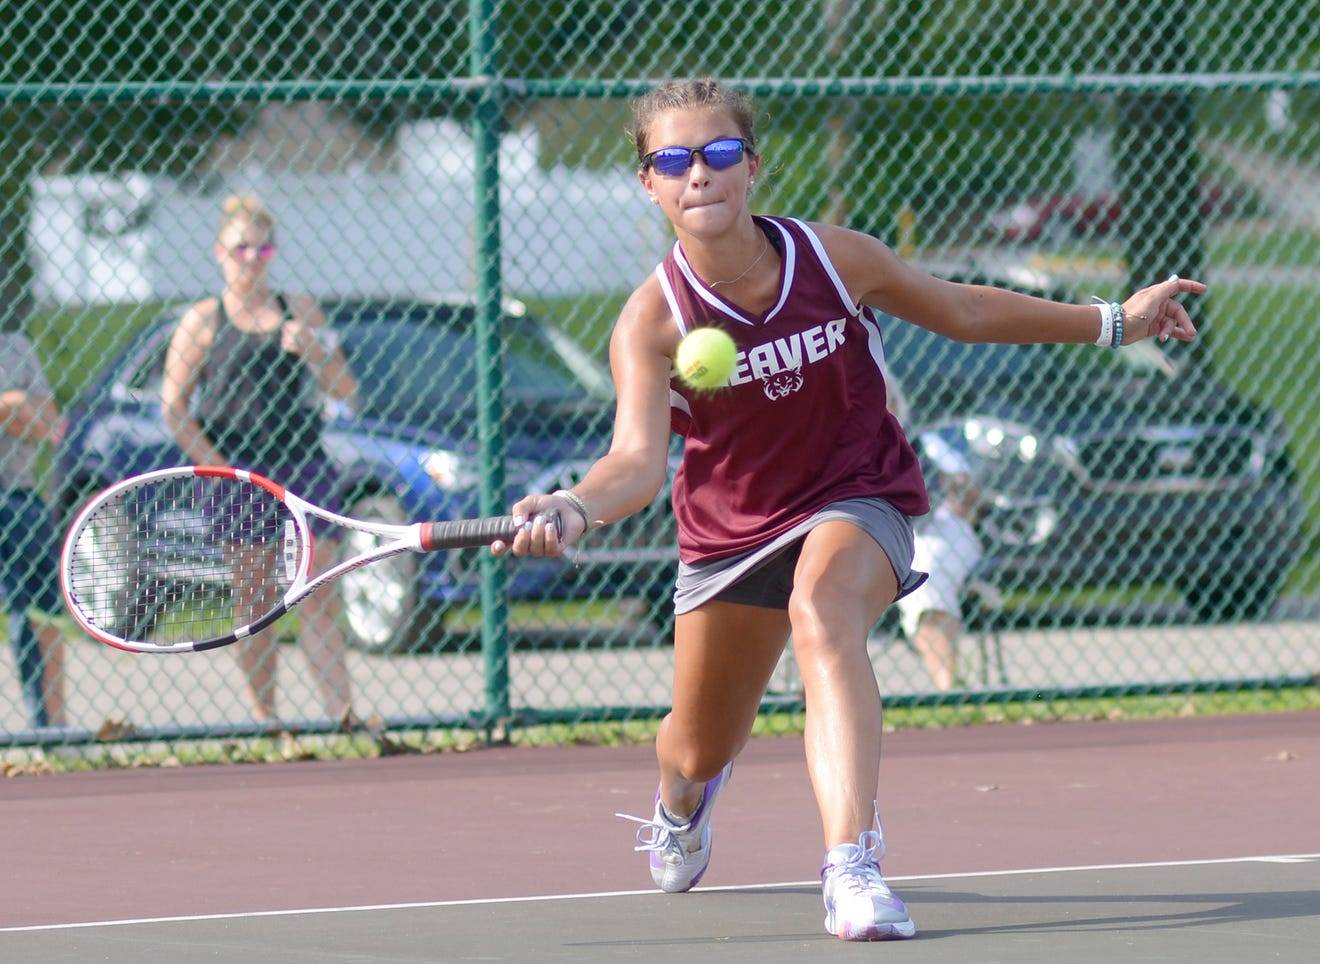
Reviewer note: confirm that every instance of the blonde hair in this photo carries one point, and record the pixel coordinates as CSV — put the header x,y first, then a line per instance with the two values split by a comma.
x,y
245,209
686,94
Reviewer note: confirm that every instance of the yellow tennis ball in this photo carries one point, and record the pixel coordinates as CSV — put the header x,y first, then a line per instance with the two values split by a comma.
x,y
705,358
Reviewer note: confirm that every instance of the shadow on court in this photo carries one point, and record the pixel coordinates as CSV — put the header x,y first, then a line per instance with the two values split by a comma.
x,y
1154,912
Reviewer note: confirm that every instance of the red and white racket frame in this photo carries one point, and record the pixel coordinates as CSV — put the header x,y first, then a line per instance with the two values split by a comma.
x,y
414,537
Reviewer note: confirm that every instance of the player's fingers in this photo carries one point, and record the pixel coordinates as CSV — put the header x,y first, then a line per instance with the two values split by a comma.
x,y
527,507
521,544
1166,322
553,547
1184,327
540,537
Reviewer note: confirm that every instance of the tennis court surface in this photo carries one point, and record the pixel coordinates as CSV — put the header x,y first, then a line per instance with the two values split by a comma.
x,y
1191,839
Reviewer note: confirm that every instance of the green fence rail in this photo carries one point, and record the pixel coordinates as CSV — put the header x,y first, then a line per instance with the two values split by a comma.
x,y
450,185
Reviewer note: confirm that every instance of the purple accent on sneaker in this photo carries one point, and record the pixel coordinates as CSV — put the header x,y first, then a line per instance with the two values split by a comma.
x,y
708,794
855,869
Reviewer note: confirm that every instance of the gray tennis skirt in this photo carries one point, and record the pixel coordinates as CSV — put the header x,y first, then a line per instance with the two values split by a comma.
x,y
764,576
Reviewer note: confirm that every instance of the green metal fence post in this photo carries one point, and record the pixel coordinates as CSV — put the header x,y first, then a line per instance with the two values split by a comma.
x,y
487,124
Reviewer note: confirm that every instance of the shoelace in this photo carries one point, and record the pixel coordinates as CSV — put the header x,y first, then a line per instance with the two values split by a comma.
x,y
657,836
860,875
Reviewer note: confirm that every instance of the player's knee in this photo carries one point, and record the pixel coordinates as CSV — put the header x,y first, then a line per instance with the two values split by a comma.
x,y
700,764
821,627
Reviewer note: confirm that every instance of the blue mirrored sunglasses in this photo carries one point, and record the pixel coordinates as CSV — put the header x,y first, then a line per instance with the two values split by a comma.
x,y
718,155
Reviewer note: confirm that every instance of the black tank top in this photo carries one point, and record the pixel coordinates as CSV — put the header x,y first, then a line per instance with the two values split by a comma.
x,y
252,398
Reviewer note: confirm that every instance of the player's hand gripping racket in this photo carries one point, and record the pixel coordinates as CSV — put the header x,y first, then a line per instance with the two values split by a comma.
x,y
194,558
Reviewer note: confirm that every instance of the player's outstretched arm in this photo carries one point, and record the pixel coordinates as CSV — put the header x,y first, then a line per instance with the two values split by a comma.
x,y
627,478
875,276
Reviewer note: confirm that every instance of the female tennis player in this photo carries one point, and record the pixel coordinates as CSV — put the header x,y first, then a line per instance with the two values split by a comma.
x,y
255,359
797,487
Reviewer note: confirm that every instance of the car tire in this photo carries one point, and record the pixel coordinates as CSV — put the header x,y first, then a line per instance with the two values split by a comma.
x,y
1249,594
383,612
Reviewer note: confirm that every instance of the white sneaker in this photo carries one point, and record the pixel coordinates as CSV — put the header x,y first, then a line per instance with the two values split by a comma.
x,y
680,853
859,906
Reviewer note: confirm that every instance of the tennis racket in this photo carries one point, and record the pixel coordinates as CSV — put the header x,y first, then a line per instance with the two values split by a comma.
x,y
194,558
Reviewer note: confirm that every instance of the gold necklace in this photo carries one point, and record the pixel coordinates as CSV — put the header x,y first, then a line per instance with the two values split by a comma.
x,y
765,246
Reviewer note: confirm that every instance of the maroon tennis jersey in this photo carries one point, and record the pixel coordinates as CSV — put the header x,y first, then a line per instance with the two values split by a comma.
x,y
803,420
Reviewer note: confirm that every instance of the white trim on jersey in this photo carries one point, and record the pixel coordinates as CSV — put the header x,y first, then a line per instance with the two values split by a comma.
x,y
670,297
853,308
707,296
790,264
679,402
875,342
715,301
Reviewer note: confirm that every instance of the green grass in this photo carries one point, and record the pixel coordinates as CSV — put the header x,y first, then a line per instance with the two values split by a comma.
x,y
289,748
588,318
1233,244
75,342
1265,342
1243,246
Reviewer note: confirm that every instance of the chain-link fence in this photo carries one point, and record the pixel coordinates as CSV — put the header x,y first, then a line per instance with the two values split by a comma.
x,y
449,184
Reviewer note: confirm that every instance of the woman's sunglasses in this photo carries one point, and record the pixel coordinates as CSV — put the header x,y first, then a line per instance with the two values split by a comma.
x,y
718,155
244,251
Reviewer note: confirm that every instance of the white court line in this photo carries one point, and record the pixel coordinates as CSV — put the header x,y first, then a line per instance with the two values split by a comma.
x,y
1276,858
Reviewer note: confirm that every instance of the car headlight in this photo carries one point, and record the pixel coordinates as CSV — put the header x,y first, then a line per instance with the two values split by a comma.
x,y
449,470
994,438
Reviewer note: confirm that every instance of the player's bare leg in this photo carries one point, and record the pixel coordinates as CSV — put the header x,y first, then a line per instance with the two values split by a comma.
x,y
52,679
935,637
257,655
724,654
843,582
323,640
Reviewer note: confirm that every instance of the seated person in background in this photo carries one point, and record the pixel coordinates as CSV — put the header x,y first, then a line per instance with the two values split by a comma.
x,y
948,548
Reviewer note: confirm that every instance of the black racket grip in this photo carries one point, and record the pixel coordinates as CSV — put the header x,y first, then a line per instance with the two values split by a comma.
x,y
475,533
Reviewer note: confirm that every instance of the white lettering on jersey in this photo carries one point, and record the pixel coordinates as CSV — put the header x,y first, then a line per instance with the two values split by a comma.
x,y
834,334
764,363
790,351
778,364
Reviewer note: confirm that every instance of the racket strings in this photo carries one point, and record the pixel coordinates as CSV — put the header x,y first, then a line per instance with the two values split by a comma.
x,y
184,559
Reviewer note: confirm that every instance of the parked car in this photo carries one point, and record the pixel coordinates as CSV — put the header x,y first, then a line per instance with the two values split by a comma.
x,y
1109,468
408,453
1065,215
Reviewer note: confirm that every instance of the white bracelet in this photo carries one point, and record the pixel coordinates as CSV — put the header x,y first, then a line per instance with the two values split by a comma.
x,y
1106,338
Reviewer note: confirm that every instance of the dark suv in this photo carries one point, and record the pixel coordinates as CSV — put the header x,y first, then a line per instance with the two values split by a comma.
x,y
407,453
1107,468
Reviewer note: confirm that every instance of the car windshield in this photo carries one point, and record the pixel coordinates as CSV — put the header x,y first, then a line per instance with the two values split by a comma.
x,y
407,370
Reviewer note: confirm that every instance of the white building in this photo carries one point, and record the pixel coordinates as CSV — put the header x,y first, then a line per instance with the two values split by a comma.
x,y
402,231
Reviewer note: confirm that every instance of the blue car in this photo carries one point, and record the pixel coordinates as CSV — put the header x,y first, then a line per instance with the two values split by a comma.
x,y
407,452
